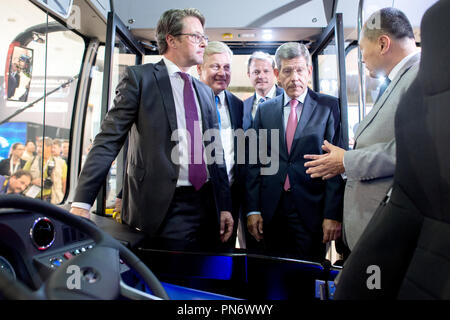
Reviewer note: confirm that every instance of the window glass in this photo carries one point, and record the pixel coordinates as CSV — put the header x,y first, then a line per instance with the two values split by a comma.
x,y
122,57
328,70
35,108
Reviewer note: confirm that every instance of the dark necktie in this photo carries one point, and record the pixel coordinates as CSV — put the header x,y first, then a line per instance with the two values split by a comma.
x,y
197,171
383,87
218,113
261,100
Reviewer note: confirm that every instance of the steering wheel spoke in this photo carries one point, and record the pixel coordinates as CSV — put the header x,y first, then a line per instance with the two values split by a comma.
x,y
94,274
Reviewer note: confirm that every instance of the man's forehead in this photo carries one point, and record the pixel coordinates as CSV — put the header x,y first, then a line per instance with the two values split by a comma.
x,y
297,61
192,24
260,63
25,179
218,58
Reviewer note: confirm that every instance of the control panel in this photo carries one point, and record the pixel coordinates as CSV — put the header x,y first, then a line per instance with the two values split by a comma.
x,y
55,259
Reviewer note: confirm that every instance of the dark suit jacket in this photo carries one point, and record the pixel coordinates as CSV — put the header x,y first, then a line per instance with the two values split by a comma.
x,y
13,83
315,199
144,108
235,107
248,105
5,166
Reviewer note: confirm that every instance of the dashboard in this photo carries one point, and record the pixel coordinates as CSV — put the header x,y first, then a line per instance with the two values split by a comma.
x,y
32,245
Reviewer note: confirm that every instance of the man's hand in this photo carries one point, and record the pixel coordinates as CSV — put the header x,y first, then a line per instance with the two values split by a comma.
x,y
326,165
255,226
226,225
80,212
331,230
118,205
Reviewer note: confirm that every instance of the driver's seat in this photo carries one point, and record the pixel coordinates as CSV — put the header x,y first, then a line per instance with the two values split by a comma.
x,y
406,246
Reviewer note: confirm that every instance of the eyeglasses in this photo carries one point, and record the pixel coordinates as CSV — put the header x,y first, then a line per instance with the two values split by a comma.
x,y
194,37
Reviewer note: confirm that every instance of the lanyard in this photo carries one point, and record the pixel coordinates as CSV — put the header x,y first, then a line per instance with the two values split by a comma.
x,y
13,168
5,186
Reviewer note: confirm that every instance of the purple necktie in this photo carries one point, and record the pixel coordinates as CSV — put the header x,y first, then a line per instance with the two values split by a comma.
x,y
197,167
290,132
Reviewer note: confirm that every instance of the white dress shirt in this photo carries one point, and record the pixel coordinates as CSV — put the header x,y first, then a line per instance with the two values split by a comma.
x,y
287,107
270,95
226,134
177,84
286,112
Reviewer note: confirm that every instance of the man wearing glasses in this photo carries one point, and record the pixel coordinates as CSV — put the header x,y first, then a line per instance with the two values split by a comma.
x,y
172,189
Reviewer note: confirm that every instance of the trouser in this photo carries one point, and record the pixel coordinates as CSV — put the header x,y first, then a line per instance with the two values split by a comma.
x,y
286,235
191,222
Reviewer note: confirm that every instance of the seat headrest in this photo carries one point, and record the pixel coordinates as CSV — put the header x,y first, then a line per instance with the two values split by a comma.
x,y
435,62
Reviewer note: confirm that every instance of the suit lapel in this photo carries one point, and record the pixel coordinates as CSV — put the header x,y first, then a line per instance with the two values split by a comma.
x,y
380,103
204,107
163,81
233,119
276,121
308,109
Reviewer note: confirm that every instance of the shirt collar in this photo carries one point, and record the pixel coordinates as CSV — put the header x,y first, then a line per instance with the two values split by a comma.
x,y
301,99
270,94
400,65
221,96
172,68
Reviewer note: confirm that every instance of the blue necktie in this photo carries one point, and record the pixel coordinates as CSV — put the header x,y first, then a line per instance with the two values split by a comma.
x,y
218,113
383,87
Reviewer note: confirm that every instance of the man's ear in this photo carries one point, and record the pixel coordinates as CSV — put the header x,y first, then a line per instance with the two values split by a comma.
x,y
384,43
171,41
310,70
276,72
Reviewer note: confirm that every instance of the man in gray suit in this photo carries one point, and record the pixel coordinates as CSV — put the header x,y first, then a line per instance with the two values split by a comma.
x,y
173,189
388,50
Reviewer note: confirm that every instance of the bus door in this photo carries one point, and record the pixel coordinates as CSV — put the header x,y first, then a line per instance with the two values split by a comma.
x,y
329,77
121,49
329,74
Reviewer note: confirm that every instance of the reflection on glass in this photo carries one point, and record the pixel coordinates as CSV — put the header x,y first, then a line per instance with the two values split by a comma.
x,y
122,58
48,170
36,90
19,74
328,71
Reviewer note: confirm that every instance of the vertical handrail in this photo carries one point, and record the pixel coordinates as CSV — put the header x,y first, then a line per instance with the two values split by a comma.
x,y
361,70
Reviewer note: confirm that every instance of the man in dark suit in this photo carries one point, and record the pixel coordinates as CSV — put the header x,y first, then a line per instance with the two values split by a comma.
x,y
260,70
216,73
174,192
13,79
14,162
290,213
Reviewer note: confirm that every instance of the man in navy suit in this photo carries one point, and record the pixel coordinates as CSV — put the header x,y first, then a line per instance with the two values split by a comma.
x,y
260,70
173,190
13,79
216,73
290,213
